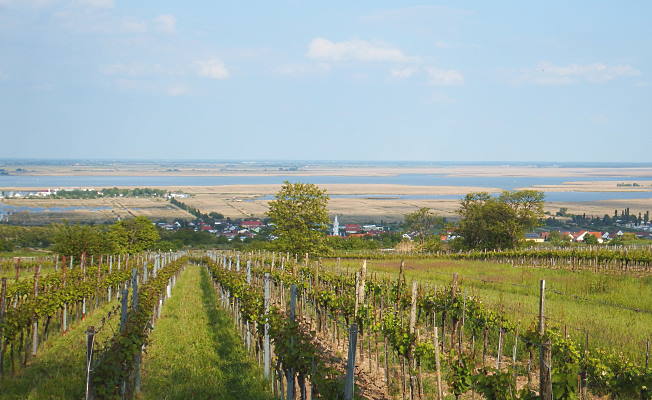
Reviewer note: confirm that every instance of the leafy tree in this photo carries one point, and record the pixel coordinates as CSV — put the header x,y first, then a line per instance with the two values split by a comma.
x,y
590,239
300,217
423,222
6,245
75,240
557,238
498,222
133,235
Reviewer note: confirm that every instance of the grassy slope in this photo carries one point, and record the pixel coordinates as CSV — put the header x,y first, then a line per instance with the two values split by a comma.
x,y
58,371
195,352
516,291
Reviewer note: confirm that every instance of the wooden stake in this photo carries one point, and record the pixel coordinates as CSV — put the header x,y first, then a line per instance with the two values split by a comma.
x,y
349,383
545,359
3,309
440,394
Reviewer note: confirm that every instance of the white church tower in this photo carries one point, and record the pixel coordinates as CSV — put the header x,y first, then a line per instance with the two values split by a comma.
x,y
336,227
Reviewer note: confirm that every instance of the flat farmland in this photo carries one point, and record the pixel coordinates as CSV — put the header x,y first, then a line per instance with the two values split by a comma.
x,y
614,310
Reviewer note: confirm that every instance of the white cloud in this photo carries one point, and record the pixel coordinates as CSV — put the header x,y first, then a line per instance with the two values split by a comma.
x,y
166,23
96,3
178,90
404,72
213,68
354,50
444,77
547,73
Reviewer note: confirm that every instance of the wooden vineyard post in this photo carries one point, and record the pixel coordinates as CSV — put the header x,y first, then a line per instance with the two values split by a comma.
x,y
349,383
545,359
583,372
123,311
108,289
289,373
3,309
267,359
90,341
35,324
440,395
500,347
412,326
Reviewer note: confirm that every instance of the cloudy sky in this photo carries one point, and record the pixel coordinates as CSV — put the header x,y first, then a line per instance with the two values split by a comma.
x,y
337,80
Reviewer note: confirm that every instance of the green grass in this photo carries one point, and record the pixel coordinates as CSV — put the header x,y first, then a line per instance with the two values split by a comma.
x,y
25,253
58,371
195,352
596,309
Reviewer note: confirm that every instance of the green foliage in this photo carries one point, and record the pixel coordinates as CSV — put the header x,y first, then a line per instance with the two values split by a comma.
x,y
590,239
300,217
498,222
75,240
25,237
460,377
424,223
126,236
117,362
294,346
495,385
133,235
556,238
108,192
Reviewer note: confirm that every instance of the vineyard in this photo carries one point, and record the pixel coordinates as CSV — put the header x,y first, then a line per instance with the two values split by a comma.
x,y
593,258
308,328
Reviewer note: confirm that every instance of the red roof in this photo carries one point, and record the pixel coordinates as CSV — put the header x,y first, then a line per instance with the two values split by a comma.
x,y
251,224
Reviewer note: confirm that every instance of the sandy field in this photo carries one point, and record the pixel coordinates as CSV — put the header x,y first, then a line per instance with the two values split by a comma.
x,y
595,186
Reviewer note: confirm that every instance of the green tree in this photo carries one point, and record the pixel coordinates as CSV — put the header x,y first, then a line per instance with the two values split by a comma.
x,y
556,238
590,239
423,222
75,240
300,218
133,235
498,222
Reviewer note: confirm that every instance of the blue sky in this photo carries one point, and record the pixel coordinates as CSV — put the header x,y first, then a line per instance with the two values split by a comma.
x,y
363,80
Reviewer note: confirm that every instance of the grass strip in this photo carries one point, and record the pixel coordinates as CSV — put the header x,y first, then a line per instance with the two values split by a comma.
x,y
195,351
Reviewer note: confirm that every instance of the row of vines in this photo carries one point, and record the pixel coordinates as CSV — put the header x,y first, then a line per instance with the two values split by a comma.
x,y
406,329
34,307
598,258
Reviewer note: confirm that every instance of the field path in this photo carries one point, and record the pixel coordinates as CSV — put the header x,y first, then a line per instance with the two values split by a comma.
x,y
195,352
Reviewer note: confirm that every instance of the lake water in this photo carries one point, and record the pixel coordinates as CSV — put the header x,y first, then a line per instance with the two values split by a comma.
x,y
502,182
